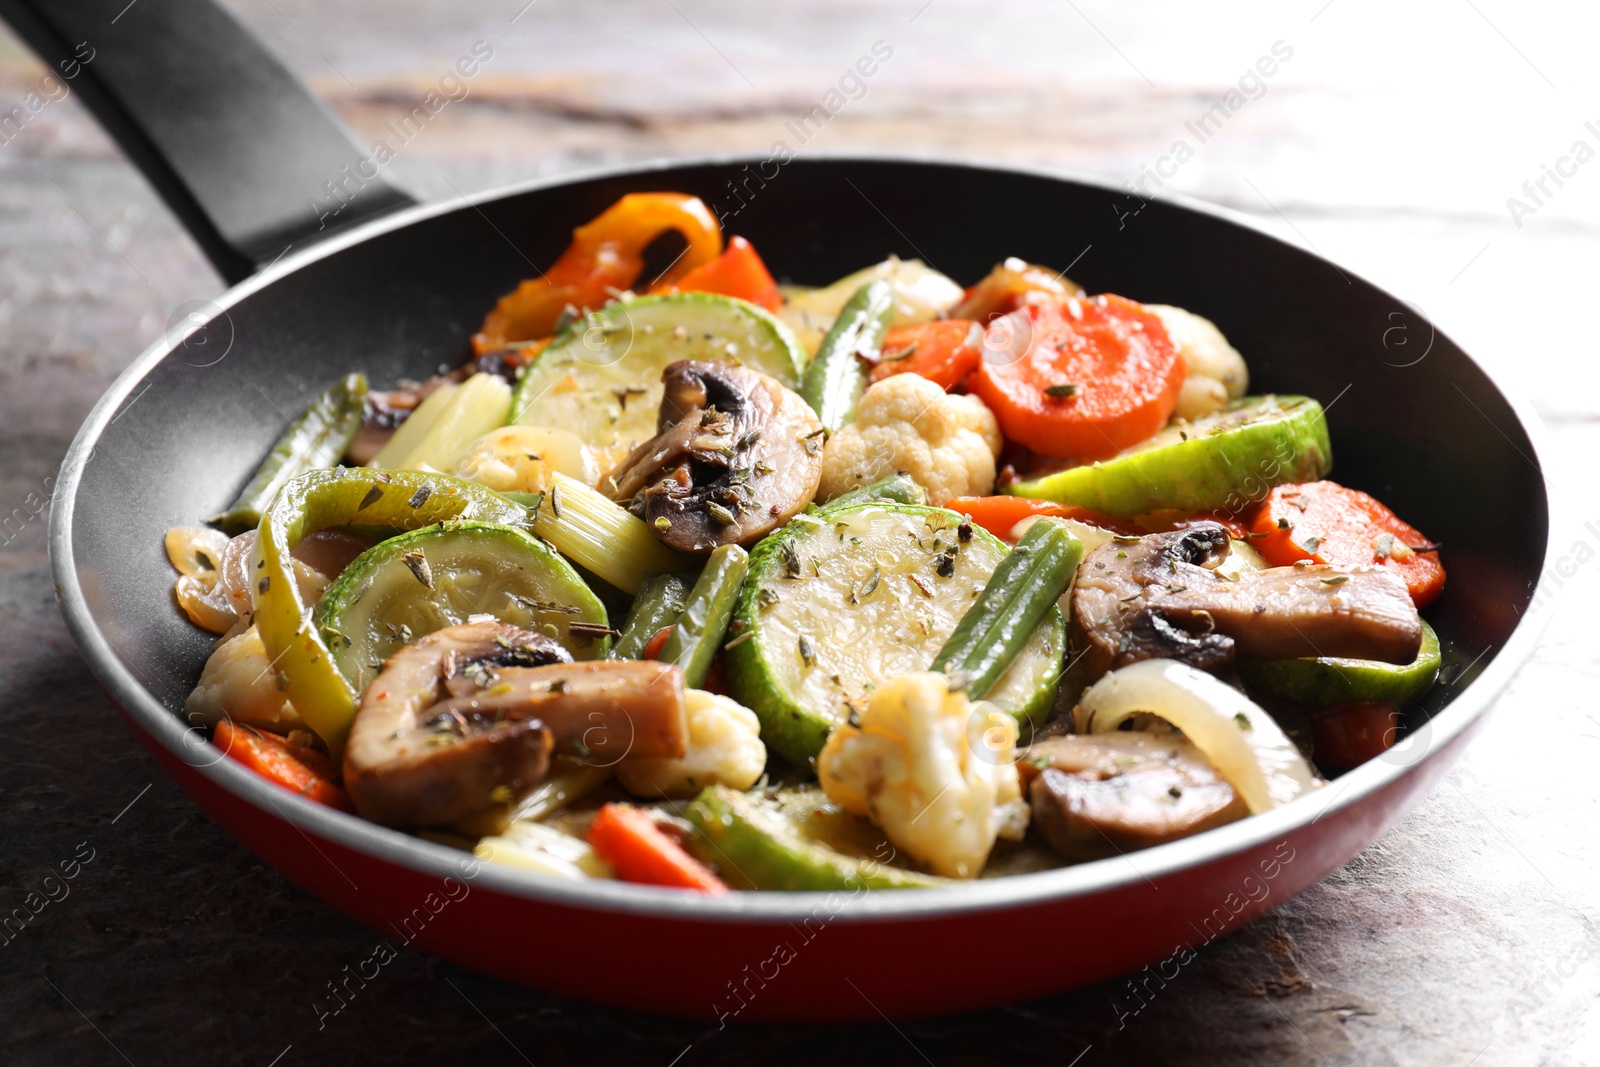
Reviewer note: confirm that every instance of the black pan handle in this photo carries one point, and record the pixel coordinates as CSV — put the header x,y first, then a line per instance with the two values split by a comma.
x,y
249,161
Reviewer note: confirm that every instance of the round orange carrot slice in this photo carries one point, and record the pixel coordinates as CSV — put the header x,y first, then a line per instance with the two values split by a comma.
x,y
1082,377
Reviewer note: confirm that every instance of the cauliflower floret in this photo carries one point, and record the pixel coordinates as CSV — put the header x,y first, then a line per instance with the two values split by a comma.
x,y
724,749
1216,370
946,443
932,770
239,683
521,459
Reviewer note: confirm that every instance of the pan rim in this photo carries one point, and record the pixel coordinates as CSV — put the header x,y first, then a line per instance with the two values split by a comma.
x,y
440,861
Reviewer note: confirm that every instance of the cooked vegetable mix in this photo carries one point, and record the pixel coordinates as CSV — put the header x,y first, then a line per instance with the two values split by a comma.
x,y
706,583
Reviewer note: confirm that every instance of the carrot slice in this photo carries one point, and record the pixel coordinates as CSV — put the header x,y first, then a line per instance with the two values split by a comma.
x,y
1327,523
1080,378
737,272
1000,514
638,851
942,352
300,770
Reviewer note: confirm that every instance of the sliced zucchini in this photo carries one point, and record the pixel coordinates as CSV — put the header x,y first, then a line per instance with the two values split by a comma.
x,y
601,377
838,603
1227,460
1317,683
438,576
792,840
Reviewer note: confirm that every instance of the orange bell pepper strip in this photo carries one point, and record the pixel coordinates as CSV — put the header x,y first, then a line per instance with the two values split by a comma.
x,y
1326,523
299,770
738,272
658,641
626,838
1000,514
606,256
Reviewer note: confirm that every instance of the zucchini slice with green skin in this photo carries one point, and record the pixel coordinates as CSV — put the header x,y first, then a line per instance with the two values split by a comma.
x,y
601,377
409,586
1317,683
838,603
1224,461
757,844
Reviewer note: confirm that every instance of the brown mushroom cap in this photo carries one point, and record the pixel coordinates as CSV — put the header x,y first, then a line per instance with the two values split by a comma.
x,y
1095,795
736,456
469,713
1160,596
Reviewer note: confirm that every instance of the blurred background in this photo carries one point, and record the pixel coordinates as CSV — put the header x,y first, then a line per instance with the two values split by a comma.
x,y
1445,150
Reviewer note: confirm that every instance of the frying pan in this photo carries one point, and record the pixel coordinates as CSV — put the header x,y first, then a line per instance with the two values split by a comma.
x,y
242,153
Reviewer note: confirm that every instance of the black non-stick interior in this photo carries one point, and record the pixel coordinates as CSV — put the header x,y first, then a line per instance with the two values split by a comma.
x,y
1432,438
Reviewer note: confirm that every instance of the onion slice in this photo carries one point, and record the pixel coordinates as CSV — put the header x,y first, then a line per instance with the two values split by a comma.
x,y
1242,741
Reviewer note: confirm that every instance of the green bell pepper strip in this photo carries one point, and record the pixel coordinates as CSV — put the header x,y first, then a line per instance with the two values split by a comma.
x,y
400,500
316,439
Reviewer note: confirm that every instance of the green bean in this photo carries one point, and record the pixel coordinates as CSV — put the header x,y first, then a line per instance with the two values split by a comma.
x,y
835,378
1019,594
897,488
697,635
659,602
316,439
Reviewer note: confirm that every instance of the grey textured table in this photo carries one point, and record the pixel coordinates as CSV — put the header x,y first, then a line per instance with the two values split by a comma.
x,y
1395,139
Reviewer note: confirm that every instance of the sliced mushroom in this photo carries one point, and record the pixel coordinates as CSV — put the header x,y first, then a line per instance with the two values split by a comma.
x,y
1097,795
601,710
472,713
1160,596
736,456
